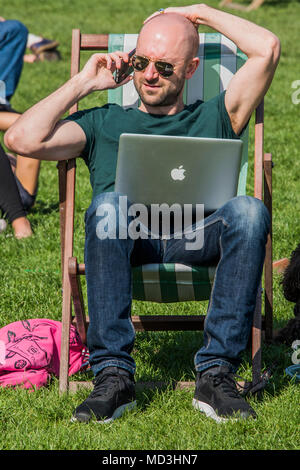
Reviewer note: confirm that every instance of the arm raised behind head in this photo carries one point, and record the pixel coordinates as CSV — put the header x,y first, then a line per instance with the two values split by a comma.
x,y
251,82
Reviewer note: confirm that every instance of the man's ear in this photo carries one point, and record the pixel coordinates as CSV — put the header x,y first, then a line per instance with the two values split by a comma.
x,y
192,67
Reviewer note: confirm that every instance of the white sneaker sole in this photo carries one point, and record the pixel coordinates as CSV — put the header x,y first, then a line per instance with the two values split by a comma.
x,y
117,413
209,411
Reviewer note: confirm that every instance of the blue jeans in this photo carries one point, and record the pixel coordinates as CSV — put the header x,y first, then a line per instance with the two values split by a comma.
x,y
13,40
234,237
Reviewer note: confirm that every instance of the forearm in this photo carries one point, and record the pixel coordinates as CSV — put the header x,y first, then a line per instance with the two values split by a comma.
x,y
250,38
39,132
38,122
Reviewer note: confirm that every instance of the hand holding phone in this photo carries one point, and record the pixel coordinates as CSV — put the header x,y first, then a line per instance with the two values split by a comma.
x,y
125,70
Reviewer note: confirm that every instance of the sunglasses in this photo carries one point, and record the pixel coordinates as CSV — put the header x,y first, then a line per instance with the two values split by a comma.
x,y
140,63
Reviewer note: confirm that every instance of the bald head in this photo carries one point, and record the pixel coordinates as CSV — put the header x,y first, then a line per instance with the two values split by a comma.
x,y
173,39
171,30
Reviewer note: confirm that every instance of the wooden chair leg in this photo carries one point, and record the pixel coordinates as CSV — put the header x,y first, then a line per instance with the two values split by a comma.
x,y
62,180
67,251
256,340
66,300
76,290
65,336
269,250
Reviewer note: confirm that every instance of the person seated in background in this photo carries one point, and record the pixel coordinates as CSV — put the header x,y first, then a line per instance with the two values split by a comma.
x,y
14,39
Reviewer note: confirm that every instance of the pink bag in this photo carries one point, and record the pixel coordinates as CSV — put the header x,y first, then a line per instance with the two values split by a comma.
x,y
30,352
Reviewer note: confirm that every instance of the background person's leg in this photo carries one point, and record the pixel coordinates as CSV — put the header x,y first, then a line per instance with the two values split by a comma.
x,y
26,169
27,175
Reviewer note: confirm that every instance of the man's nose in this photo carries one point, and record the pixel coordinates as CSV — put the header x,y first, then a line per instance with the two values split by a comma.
x,y
150,72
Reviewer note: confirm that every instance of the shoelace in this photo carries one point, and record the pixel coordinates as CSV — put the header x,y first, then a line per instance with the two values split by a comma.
x,y
249,388
103,383
228,384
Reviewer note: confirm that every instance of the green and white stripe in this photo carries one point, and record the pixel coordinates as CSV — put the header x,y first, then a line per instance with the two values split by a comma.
x,y
169,282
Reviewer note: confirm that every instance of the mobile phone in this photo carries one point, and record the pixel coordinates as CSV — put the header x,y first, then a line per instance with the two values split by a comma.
x,y
125,70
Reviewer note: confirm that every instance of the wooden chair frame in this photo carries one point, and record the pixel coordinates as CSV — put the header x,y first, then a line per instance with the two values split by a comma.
x,y
72,270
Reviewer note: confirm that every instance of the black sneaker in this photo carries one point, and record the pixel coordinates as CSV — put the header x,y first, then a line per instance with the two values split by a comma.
x,y
217,396
113,394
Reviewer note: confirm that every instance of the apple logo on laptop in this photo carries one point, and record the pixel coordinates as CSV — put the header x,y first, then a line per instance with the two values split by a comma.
x,y
178,173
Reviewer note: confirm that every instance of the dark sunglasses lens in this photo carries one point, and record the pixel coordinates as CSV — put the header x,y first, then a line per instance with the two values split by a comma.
x,y
164,68
139,63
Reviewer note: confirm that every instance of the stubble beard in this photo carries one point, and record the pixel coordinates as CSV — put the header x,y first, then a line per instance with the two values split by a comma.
x,y
166,97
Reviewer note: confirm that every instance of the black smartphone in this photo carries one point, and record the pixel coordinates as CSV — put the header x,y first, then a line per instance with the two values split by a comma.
x,y
125,70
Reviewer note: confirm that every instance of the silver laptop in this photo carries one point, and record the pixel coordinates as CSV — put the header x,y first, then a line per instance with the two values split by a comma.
x,y
155,169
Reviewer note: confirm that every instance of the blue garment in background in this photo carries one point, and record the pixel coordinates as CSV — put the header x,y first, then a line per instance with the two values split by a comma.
x,y
13,41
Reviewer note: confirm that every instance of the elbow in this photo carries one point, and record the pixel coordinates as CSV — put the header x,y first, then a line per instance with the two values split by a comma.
x,y
274,50
16,143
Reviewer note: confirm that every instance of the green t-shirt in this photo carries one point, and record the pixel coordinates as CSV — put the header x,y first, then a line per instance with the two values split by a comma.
x,y
103,127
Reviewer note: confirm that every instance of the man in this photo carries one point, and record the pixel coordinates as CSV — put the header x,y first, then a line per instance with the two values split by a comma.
x,y
235,235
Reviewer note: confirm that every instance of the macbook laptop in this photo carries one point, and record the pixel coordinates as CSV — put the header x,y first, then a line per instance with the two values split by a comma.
x,y
157,169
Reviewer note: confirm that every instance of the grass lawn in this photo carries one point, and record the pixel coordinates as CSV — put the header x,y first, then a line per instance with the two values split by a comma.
x,y
30,269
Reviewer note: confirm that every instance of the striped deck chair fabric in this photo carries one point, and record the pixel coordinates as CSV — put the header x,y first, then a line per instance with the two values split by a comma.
x,y
219,60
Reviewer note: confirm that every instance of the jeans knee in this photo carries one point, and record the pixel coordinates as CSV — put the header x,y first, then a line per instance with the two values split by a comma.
x,y
106,213
250,212
109,199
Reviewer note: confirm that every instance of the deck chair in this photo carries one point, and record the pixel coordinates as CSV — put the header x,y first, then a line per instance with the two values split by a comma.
x,y
254,5
219,60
